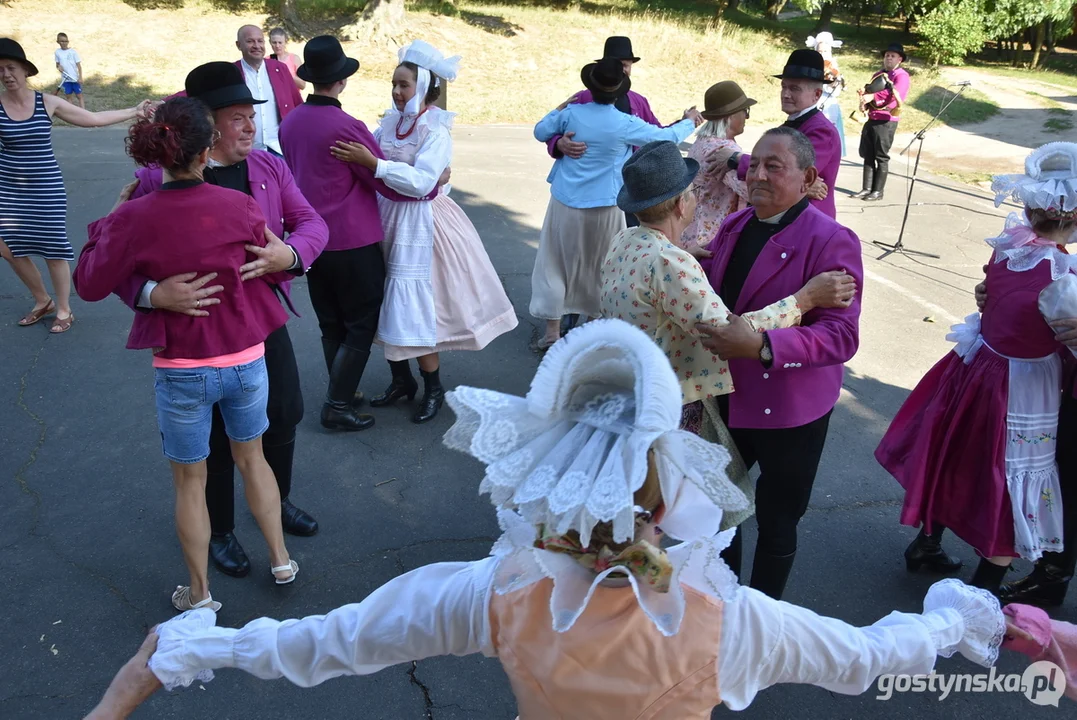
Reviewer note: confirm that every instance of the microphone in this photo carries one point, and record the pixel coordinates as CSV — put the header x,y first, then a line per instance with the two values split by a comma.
x,y
963,83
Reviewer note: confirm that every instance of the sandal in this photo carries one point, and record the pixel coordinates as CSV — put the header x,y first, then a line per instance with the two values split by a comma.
x,y
34,316
62,325
292,565
181,600
544,343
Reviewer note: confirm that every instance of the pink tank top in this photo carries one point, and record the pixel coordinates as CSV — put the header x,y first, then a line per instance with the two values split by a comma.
x,y
613,664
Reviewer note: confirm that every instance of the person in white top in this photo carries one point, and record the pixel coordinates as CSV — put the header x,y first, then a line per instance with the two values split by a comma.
x,y
582,471
69,64
252,45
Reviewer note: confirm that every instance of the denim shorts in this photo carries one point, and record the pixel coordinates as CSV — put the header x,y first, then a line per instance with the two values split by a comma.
x,y
185,400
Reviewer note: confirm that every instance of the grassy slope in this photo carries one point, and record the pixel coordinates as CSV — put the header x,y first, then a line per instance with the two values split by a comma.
x,y
519,59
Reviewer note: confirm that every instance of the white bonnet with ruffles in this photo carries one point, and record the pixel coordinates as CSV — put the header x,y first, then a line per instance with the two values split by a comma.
x,y
1048,183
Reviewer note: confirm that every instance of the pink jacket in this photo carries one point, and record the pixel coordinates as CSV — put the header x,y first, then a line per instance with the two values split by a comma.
x,y
827,143
638,104
803,382
284,89
278,197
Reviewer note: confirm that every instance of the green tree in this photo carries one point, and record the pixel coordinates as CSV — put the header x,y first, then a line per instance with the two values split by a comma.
x,y
952,30
1019,19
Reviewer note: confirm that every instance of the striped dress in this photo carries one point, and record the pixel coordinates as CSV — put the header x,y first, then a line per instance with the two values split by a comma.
x,y
33,203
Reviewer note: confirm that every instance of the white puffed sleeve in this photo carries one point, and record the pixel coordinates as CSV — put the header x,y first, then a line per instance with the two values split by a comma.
x,y
766,642
1058,300
431,159
439,609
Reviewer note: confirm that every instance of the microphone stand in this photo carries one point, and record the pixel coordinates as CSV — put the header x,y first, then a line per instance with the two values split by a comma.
x,y
899,246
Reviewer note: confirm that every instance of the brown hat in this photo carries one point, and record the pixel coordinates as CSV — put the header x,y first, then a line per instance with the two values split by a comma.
x,y
724,99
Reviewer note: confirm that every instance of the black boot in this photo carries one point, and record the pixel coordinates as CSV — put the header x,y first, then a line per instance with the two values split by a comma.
x,y
878,184
1045,585
338,412
770,572
403,385
869,174
988,576
433,397
926,550
227,554
330,349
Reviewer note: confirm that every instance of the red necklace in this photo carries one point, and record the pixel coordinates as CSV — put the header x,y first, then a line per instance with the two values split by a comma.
x,y
413,124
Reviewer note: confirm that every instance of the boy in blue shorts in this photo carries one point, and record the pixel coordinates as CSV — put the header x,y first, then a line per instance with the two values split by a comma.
x,y
69,64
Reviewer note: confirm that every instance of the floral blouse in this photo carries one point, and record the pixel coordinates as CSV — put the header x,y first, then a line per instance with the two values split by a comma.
x,y
716,195
661,289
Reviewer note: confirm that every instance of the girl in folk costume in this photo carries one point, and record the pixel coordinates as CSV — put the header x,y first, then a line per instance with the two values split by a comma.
x,y
588,616
651,280
974,445
441,292
824,43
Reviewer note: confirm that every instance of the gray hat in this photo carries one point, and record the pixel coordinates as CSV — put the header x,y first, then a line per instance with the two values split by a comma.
x,y
654,174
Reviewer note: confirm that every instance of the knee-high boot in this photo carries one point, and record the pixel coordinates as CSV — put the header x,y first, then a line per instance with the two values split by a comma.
x,y
869,176
338,412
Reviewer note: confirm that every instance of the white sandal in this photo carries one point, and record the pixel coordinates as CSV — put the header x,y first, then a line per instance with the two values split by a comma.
x,y
181,600
292,565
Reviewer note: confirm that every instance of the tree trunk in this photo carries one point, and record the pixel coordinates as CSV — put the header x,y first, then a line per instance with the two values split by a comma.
x,y
731,7
1037,43
383,17
774,7
1019,52
1051,44
826,13
908,24
291,20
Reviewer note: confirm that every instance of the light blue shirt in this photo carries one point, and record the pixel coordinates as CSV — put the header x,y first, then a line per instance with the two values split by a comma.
x,y
595,179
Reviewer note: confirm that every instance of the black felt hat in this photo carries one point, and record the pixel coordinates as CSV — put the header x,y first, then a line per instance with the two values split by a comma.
x,y
896,48
619,47
605,79
803,64
11,49
219,85
324,62
655,173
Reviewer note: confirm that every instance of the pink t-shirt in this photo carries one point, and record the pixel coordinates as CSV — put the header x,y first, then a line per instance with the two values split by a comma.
x,y
220,361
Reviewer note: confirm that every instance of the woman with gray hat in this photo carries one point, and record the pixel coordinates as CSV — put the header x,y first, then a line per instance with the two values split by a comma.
x,y
651,280
726,108
583,215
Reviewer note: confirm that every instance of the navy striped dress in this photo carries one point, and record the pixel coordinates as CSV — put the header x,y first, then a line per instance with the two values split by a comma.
x,y
33,203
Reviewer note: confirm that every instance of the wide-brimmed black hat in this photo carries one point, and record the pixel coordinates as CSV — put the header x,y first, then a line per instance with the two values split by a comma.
x,y
655,173
219,85
897,48
803,64
324,61
619,47
723,99
12,50
605,79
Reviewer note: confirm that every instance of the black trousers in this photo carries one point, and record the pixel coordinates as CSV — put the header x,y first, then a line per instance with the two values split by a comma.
x,y
346,290
788,461
875,141
285,410
1066,456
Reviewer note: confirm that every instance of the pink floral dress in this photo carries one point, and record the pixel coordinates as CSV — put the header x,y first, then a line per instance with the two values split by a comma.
x,y
716,195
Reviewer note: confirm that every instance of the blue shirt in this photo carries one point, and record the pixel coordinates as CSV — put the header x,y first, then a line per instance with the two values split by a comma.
x,y
595,179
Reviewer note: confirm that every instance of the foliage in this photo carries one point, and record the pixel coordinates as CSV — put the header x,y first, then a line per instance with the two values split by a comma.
x,y
1004,18
951,31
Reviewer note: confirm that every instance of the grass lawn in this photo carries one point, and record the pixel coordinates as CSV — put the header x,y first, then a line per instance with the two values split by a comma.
x,y
520,59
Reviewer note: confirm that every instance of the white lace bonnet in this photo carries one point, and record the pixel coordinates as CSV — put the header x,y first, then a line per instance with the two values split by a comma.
x,y
1048,183
823,38
572,453
429,60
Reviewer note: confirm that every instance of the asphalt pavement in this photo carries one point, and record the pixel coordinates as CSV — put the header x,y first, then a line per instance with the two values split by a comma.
x,y
88,553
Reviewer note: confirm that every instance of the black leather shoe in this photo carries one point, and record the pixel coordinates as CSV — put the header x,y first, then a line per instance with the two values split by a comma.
x,y
433,397
1045,585
296,521
227,554
403,385
926,551
345,416
874,195
861,195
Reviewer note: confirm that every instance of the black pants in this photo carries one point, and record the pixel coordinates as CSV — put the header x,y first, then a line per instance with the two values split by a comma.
x,y
1066,455
875,141
285,410
346,289
788,461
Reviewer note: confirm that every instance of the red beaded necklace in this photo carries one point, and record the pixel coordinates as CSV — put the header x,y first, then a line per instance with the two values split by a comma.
x,y
413,124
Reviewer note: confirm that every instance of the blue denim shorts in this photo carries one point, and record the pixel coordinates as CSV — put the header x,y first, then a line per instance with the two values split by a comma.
x,y
185,400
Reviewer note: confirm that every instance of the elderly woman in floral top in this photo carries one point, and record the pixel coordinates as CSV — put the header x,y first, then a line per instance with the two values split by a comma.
x,y
652,281
726,109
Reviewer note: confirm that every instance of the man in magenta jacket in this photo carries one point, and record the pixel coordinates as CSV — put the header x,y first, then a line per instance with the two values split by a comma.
x,y
787,381
270,80
235,165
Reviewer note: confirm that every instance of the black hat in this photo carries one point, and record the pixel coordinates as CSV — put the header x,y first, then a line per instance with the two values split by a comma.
x,y
619,47
897,48
219,84
324,62
11,49
605,79
803,64
655,173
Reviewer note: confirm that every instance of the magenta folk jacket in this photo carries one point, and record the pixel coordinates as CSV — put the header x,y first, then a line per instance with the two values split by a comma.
x,y
284,89
636,102
803,382
827,143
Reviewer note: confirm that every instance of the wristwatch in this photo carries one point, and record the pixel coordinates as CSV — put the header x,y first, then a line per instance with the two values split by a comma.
x,y
766,355
733,161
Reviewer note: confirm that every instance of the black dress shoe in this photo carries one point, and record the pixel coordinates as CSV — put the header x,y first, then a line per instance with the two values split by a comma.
x,y
296,521
926,551
874,195
403,385
1045,585
861,195
227,554
433,397
345,416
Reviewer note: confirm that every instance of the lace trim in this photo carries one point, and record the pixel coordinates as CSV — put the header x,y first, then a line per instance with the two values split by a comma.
x,y
1026,257
1049,182
168,662
985,625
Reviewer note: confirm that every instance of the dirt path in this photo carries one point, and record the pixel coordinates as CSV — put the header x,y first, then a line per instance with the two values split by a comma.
x,y
1029,109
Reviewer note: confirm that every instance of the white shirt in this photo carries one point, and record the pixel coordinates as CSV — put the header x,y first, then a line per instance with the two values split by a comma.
x,y
266,121
68,60
794,116
443,609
